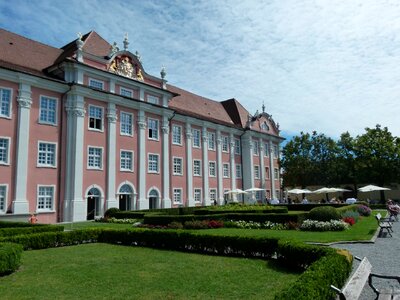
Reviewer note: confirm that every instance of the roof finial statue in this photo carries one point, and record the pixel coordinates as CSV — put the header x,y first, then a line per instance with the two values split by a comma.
x,y
163,73
138,56
79,44
126,42
114,48
263,107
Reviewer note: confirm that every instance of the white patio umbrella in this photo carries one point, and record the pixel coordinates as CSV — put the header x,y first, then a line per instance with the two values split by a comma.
x,y
254,189
299,191
235,191
326,191
371,188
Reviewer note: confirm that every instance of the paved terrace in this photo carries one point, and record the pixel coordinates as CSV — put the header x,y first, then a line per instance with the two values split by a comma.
x,y
384,255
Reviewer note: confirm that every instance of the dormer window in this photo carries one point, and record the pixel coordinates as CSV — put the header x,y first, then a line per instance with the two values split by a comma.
x,y
264,126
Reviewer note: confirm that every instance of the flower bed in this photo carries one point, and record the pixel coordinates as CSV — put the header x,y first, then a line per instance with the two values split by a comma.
x,y
332,225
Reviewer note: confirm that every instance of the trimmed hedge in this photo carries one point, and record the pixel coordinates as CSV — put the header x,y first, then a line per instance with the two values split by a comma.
x,y
309,206
279,210
8,224
127,215
10,257
26,230
275,218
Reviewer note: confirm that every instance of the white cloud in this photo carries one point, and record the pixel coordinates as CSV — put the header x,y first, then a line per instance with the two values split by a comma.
x,y
329,66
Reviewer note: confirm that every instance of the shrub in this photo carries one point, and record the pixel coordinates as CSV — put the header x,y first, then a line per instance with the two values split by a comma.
x,y
11,231
325,213
175,225
352,215
364,210
349,220
196,224
111,212
10,257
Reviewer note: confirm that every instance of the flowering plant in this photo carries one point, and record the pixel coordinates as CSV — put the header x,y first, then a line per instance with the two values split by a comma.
x,y
349,220
364,210
332,225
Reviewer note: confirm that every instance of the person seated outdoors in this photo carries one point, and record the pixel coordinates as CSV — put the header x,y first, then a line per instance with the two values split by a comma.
x,y
305,201
393,208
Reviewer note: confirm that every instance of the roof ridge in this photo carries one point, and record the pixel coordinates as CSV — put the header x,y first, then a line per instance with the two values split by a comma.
x,y
29,39
205,98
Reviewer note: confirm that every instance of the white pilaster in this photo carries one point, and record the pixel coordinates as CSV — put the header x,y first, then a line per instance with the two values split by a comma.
x,y
141,94
220,195
112,86
20,203
205,167
142,159
247,162
189,165
271,169
111,200
166,202
262,166
233,165
165,101
74,204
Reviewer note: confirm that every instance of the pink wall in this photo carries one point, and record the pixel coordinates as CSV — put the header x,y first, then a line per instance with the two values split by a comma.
x,y
179,181
155,147
8,128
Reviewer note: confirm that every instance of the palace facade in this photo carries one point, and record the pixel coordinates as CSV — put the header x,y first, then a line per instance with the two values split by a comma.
x,y
84,128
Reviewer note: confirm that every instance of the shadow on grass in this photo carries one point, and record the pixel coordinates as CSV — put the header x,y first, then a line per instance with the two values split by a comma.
x,y
275,265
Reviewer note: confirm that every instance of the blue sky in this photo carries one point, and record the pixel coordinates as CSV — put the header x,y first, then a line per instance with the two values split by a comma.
x,y
330,65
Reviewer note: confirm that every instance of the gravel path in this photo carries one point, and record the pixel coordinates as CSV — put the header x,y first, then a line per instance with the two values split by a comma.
x,y
384,256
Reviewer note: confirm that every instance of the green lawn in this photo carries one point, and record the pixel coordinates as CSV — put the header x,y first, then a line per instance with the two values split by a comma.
x,y
103,271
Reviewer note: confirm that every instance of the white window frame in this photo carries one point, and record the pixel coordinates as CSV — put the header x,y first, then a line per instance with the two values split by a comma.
x,y
46,152
4,197
46,209
225,143
125,92
197,191
213,195
212,171
225,170
238,170
196,137
256,148
121,122
276,151
177,163
95,118
211,140
46,110
121,159
148,163
94,157
267,173
256,172
266,149
153,99
276,173
93,82
194,167
177,136
7,162
10,100
155,131
238,150
177,192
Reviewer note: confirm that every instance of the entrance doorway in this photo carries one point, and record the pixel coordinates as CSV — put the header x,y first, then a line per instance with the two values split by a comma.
x,y
125,198
153,199
93,203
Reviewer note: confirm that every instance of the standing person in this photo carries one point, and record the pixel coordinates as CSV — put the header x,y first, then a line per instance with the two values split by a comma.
x,y
33,219
289,200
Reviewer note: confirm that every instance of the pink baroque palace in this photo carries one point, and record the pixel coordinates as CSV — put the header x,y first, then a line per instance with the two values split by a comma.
x,y
84,128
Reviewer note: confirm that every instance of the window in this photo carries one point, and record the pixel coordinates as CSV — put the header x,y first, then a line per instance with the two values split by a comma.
x,y
225,170
266,147
213,195
152,163
258,195
238,171
256,172
47,110
97,84
5,103
276,174
126,92
95,158
4,151
153,99
197,167
176,135
47,155
264,126
153,129
256,147
3,198
126,160
45,198
197,195
177,195
225,144
266,172
126,124
196,138
177,165
211,141
276,151
237,146
95,117
211,168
